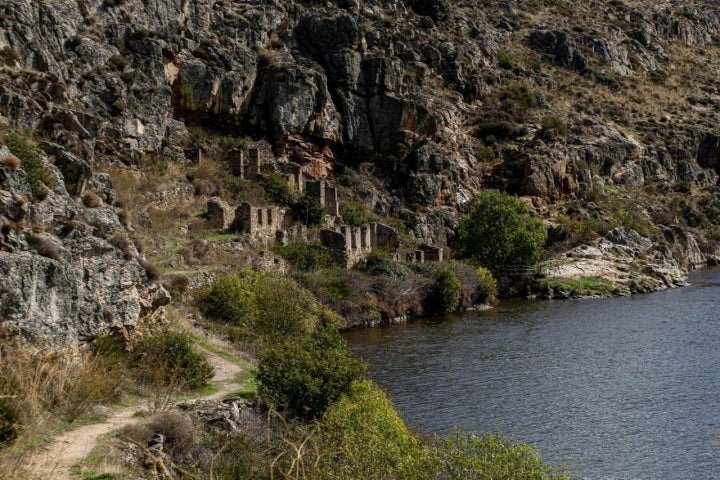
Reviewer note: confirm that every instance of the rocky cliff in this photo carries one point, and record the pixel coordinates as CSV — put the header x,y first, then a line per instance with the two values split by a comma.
x,y
602,114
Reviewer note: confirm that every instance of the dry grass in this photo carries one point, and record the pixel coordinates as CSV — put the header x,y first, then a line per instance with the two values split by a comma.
x,y
49,390
11,162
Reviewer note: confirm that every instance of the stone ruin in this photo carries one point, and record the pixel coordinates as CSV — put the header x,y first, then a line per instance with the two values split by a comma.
x,y
425,253
351,245
260,223
325,194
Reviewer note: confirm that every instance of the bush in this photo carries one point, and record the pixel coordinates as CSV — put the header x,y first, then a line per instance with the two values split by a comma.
x,y
487,286
308,211
499,232
367,437
277,188
504,60
307,257
354,213
378,263
177,429
486,458
39,174
91,199
304,376
263,305
445,292
169,357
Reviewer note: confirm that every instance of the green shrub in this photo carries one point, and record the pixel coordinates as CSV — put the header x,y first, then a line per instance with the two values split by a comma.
x,y
228,143
263,305
487,458
169,357
354,213
308,211
367,438
487,286
229,299
504,60
380,263
445,292
307,257
499,232
553,127
305,375
277,188
39,174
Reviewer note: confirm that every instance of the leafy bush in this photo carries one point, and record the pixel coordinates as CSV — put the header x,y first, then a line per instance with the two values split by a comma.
x,y
354,213
379,263
307,257
553,127
170,357
498,232
367,438
487,458
487,286
263,305
308,211
39,174
277,188
445,292
229,299
304,376
504,60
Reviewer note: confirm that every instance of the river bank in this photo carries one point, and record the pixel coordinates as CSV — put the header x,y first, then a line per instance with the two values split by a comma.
x,y
615,388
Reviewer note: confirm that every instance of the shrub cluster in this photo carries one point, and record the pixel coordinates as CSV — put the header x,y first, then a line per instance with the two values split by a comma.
x,y
32,161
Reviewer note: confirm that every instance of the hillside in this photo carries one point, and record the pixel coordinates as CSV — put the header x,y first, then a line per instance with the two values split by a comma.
x,y
271,171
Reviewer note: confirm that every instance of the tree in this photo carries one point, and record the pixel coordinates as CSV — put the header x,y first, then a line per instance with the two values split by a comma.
x,y
308,211
499,231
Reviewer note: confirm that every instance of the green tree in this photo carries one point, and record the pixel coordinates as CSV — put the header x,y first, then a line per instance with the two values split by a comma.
x,y
444,296
499,231
308,211
305,375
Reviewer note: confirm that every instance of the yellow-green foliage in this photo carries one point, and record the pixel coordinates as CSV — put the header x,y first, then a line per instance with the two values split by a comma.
x,y
38,173
363,436
264,305
489,457
487,285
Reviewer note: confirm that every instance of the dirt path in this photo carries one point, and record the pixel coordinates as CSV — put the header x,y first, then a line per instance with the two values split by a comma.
x,y
69,448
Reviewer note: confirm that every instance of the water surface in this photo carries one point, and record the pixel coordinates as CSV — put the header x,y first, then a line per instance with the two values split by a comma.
x,y
619,388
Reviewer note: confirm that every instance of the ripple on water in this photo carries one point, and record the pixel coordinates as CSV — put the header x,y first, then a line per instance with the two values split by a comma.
x,y
620,388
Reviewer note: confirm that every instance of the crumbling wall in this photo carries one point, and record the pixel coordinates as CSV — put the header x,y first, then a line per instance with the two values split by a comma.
x,y
260,223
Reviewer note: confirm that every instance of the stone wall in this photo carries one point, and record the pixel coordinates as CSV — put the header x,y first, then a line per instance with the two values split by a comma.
x,y
325,194
260,223
350,245
220,214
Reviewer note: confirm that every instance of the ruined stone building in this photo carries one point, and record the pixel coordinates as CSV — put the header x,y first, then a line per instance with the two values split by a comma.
x,y
425,253
325,194
351,245
260,223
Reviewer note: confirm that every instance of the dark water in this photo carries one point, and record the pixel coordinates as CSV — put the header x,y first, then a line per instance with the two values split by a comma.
x,y
620,388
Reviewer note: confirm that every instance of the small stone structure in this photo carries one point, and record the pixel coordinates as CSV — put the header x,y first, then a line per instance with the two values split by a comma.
x,y
243,165
294,175
260,223
296,233
220,214
425,253
350,245
325,194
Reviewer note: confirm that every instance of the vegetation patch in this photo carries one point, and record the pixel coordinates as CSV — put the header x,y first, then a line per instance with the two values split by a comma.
x,y
579,287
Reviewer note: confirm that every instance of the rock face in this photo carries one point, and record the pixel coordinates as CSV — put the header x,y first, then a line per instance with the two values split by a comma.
x,y
560,102
69,273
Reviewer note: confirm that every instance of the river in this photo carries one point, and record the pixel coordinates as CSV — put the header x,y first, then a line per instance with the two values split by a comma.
x,y
617,388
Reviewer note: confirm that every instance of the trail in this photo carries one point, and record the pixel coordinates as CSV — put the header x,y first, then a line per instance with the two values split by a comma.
x,y
70,447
